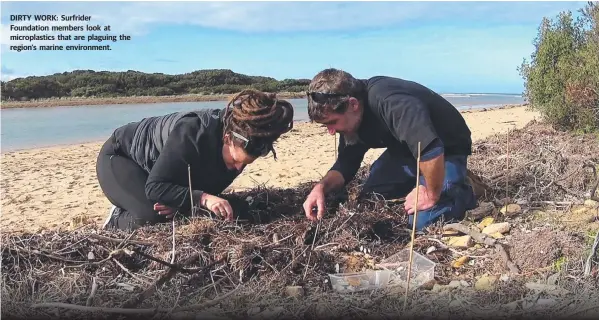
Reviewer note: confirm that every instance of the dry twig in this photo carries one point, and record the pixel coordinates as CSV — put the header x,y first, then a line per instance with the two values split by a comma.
x,y
589,262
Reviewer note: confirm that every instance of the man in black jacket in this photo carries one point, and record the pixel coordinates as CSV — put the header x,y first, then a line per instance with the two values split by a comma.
x,y
143,167
392,113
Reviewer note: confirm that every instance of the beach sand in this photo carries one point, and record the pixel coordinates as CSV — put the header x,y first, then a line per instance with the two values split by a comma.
x,y
56,187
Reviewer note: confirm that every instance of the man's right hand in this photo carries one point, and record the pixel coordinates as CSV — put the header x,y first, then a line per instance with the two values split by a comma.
x,y
333,180
315,200
217,205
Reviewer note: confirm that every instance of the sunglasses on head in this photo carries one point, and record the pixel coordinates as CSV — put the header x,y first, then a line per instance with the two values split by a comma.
x,y
253,148
322,97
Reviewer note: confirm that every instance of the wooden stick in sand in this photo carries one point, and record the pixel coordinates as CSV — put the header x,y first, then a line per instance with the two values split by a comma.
x,y
190,189
414,221
335,146
507,164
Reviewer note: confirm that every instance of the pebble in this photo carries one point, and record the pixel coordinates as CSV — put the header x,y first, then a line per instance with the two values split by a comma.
x,y
502,228
591,203
511,209
294,291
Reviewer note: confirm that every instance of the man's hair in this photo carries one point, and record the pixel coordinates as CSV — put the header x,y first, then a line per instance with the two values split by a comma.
x,y
340,85
258,116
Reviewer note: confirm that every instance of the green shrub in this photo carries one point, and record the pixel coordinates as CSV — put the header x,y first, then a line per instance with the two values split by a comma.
x,y
562,77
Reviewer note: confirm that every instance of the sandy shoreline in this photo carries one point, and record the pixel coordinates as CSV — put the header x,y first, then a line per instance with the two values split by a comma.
x,y
56,186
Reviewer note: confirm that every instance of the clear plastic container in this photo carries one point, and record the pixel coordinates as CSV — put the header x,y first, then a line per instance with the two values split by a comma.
x,y
359,281
423,269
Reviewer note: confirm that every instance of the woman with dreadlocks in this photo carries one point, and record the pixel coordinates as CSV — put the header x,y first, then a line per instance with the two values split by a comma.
x,y
143,167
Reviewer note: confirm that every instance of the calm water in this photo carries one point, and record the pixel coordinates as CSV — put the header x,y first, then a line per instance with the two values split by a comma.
x,y
40,127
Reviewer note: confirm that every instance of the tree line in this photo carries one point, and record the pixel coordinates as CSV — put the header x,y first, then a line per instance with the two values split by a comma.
x,y
562,76
90,83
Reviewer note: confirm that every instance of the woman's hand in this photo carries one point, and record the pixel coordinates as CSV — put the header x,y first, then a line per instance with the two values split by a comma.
x,y
217,205
164,210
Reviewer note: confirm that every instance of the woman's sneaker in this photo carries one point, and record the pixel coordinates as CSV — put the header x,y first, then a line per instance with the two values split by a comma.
x,y
113,213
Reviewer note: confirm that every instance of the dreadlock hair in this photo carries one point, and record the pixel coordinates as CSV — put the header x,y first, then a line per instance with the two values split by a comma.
x,y
259,116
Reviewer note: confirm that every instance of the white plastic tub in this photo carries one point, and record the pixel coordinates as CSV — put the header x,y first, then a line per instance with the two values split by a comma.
x,y
423,269
360,281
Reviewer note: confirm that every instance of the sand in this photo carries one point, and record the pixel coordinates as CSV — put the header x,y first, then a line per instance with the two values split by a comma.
x,y
56,187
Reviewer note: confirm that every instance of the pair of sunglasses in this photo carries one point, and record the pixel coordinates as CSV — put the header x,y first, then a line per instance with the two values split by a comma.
x,y
323,97
253,148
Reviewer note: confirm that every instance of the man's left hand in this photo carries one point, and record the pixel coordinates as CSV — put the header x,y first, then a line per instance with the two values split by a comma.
x,y
425,200
164,210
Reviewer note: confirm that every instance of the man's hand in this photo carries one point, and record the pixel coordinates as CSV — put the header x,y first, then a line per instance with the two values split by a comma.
x,y
315,199
425,200
333,180
433,172
164,210
219,206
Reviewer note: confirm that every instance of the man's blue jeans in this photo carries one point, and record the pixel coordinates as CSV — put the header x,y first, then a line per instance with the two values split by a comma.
x,y
394,176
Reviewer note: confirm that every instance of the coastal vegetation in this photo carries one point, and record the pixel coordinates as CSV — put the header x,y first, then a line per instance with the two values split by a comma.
x,y
200,85
562,76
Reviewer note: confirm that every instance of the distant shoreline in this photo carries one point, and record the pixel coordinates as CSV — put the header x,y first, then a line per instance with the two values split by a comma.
x,y
75,102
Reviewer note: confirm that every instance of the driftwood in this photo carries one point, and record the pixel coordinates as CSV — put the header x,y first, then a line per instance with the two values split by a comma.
x,y
594,188
484,209
506,258
178,313
136,300
589,263
485,239
114,240
479,187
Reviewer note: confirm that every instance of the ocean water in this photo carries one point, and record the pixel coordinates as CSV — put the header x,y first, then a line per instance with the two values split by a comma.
x,y
28,128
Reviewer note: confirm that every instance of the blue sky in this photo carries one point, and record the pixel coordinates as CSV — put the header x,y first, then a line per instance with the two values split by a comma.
x,y
468,47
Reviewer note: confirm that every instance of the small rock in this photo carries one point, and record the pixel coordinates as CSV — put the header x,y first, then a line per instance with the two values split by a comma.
x,y
271,313
550,289
460,242
294,291
504,278
431,249
579,209
455,304
485,222
450,233
512,306
90,256
484,209
552,279
460,261
429,285
253,311
591,203
502,228
455,284
464,283
540,304
485,282
497,235
126,286
511,209
275,238
439,288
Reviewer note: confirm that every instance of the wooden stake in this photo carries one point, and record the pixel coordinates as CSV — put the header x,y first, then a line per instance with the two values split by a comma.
x,y
507,164
190,189
415,220
335,146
